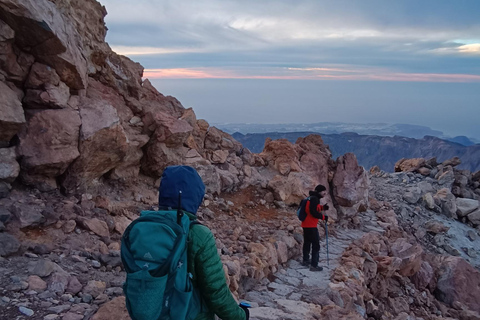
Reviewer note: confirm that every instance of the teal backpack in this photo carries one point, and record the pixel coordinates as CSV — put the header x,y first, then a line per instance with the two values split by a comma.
x,y
154,254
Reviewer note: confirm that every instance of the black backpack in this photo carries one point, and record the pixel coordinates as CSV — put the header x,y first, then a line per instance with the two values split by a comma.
x,y
302,211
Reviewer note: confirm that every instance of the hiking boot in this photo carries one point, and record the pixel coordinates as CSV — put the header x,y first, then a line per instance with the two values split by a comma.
x,y
316,268
305,263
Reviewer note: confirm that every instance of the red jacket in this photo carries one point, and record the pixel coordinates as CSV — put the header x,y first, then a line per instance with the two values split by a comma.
x,y
311,221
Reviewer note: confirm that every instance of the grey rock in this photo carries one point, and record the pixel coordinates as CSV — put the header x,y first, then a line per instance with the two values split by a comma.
x,y
472,235
474,217
59,309
114,291
26,311
28,215
43,268
87,298
466,206
451,250
4,189
5,215
8,245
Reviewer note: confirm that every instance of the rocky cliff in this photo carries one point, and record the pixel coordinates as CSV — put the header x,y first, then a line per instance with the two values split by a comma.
x,y
83,142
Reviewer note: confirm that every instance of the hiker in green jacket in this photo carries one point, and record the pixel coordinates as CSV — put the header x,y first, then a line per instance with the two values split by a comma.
x,y
203,260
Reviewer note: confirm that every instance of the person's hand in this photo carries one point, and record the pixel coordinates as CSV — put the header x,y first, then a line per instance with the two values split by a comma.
x,y
245,307
325,207
325,218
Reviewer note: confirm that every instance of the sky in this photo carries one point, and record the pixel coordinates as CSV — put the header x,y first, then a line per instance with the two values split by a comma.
x,y
306,61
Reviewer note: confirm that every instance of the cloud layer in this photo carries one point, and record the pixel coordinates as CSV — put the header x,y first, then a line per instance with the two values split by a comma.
x,y
408,40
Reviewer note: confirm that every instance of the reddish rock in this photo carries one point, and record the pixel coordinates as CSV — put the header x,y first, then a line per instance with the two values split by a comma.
x,y
49,144
11,114
291,189
435,226
455,161
45,89
95,288
458,281
36,283
424,171
411,256
121,223
74,286
281,155
387,266
113,310
409,165
98,227
350,182
422,278
103,144
166,146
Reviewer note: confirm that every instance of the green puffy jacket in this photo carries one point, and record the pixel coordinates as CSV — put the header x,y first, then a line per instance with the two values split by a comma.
x,y
208,276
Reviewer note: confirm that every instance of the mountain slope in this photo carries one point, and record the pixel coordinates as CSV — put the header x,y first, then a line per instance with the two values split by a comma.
x,y
377,150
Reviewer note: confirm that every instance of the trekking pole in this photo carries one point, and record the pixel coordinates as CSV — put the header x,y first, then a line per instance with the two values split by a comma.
x,y
326,232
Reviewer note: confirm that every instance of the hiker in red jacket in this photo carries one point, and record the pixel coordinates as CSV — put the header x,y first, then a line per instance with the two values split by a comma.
x,y
311,237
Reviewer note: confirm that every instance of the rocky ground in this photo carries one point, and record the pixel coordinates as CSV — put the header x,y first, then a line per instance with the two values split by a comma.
x,y
72,269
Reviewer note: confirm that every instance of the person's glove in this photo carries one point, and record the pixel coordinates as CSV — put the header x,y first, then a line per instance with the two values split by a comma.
x,y
325,218
245,307
325,207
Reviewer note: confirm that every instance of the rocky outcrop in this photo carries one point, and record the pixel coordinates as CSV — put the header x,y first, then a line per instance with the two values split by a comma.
x,y
40,27
350,182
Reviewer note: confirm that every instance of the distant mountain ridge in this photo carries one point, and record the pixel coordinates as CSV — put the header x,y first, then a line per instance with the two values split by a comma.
x,y
372,150
377,129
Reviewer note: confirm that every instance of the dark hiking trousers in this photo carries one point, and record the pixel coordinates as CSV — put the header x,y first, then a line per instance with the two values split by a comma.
x,y
311,238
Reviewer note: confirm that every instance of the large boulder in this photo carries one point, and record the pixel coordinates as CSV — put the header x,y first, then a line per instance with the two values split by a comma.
x,y
291,189
11,114
350,182
315,159
166,146
458,281
132,125
281,155
411,256
103,144
41,30
48,145
466,206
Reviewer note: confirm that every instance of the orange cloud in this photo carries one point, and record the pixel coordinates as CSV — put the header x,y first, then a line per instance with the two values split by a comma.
x,y
308,74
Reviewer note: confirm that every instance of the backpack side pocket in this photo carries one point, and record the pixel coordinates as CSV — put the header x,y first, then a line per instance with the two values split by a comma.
x,y
144,295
